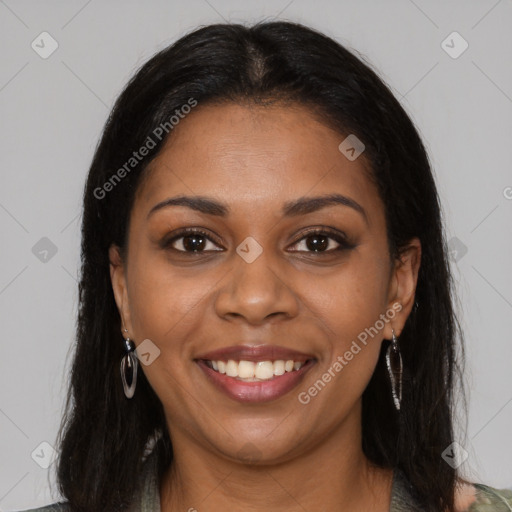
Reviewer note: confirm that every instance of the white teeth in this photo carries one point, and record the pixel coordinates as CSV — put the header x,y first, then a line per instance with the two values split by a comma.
x,y
278,367
232,369
246,369
264,370
253,371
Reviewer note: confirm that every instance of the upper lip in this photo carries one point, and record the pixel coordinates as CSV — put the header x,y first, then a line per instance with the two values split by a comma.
x,y
255,353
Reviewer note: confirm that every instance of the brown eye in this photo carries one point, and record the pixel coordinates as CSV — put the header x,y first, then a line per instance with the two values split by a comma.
x,y
190,241
323,241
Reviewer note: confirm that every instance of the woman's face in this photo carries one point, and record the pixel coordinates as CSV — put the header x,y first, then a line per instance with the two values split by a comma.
x,y
256,285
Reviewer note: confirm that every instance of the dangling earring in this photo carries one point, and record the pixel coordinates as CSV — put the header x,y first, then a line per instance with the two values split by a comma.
x,y
129,366
395,368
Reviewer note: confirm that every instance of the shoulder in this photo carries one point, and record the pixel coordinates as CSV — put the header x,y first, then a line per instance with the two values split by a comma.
x,y
469,497
56,507
476,497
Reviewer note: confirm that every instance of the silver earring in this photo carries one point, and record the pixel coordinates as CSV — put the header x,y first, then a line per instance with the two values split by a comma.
x,y
129,365
395,368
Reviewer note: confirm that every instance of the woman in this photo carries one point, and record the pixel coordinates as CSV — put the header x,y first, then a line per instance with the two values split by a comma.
x,y
265,315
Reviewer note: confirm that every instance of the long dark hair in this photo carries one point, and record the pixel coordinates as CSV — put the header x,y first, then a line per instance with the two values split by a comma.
x,y
103,436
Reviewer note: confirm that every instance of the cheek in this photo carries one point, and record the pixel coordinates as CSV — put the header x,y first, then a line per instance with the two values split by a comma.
x,y
350,310
163,305
357,299
352,298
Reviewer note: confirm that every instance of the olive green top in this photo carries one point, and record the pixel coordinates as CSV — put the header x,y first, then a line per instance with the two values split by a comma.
x,y
481,498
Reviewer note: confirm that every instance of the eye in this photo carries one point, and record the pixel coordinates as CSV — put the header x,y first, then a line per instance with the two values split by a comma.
x,y
322,241
189,240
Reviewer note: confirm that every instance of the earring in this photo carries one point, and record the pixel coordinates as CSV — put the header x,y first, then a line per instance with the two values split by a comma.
x,y
395,368
129,366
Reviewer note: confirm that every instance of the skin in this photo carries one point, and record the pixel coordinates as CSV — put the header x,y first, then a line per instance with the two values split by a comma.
x,y
254,159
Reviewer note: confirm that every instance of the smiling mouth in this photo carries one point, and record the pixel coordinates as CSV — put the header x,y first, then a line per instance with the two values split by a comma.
x,y
255,371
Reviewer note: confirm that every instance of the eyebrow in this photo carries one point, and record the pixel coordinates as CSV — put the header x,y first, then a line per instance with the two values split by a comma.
x,y
301,206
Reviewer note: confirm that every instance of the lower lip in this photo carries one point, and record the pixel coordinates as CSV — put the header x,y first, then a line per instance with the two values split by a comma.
x,y
261,391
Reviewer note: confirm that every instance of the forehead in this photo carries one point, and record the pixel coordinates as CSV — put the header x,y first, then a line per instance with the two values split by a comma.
x,y
247,155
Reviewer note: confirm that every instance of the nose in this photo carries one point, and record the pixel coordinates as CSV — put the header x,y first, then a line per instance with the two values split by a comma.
x,y
256,292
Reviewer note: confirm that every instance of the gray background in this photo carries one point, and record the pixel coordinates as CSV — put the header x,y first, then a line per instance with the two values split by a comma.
x,y
52,113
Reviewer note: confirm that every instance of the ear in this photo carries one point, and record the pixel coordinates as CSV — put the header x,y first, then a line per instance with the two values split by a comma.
x,y
402,286
118,280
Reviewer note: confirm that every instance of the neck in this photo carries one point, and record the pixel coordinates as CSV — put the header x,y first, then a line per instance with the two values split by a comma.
x,y
332,476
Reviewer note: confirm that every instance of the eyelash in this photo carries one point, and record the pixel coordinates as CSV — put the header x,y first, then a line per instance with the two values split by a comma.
x,y
331,234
